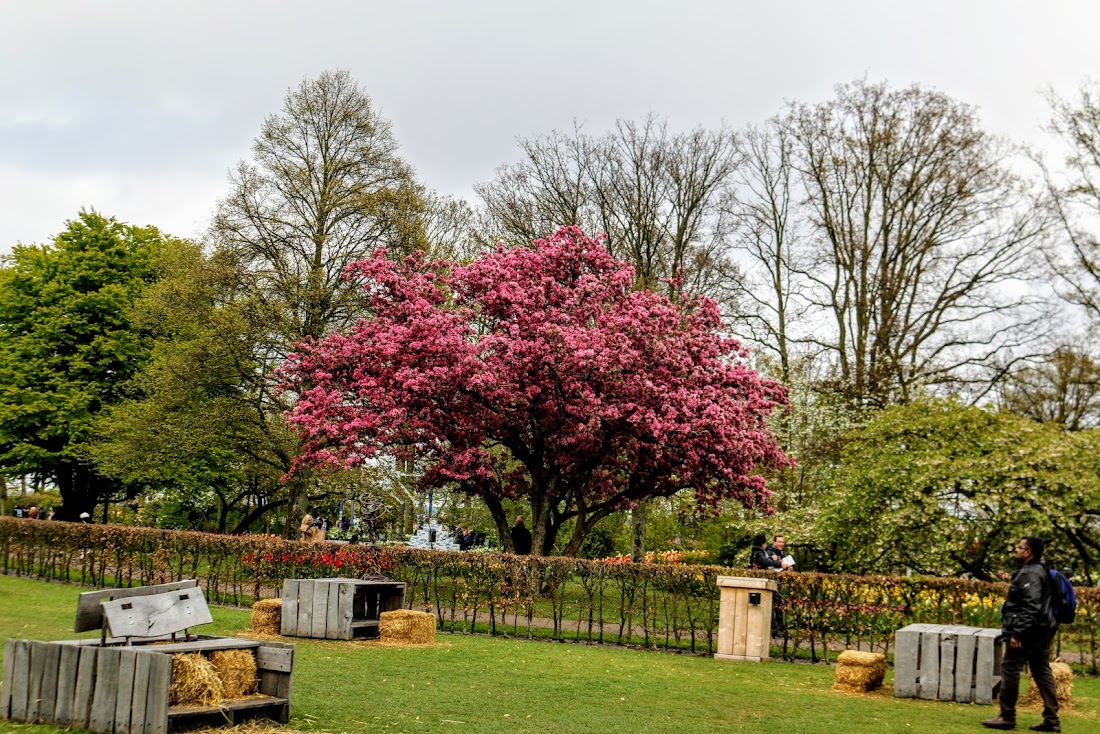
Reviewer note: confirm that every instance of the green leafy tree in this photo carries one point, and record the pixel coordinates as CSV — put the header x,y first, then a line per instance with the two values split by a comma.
x,y
68,348
942,488
194,432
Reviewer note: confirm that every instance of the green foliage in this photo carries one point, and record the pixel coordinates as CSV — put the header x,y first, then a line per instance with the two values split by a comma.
x,y
68,347
599,543
193,434
949,487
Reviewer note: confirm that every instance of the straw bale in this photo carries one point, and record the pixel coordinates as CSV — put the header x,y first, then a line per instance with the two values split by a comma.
x,y
195,682
1063,685
237,669
267,616
859,672
407,626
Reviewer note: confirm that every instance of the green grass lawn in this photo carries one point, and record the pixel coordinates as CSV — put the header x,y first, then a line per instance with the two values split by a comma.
x,y
487,685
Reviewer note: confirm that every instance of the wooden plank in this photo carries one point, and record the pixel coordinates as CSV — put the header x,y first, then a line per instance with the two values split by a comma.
x,y
394,599
345,610
47,701
85,687
89,607
268,683
320,610
220,643
34,679
106,691
6,679
226,706
21,672
127,671
305,607
906,656
965,648
68,660
984,664
284,683
332,608
157,614
290,607
156,700
947,667
141,692
928,665
278,659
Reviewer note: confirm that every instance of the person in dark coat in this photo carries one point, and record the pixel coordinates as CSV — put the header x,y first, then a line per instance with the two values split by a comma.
x,y
760,557
1027,620
521,538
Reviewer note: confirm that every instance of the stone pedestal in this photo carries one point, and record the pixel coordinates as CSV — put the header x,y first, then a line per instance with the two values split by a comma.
x,y
745,618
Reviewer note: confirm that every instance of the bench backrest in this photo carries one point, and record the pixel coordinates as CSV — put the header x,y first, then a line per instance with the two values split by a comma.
x,y
89,609
156,615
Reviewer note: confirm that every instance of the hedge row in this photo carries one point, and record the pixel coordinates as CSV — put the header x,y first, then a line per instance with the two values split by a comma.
x,y
657,606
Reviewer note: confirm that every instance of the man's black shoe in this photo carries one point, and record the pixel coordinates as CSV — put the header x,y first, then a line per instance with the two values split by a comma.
x,y
1045,727
999,723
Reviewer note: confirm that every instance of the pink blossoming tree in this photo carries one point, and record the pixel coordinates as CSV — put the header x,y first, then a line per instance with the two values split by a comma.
x,y
540,374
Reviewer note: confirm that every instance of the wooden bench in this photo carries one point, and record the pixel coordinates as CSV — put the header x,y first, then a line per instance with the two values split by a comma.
x,y
120,682
338,609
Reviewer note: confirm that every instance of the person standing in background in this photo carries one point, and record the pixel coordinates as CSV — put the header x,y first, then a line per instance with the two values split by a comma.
x,y
521,538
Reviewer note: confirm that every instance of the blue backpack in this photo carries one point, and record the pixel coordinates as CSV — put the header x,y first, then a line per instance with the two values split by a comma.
x,y
1063,599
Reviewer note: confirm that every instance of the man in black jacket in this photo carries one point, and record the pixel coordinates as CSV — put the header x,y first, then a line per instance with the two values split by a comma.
x,y
1029,627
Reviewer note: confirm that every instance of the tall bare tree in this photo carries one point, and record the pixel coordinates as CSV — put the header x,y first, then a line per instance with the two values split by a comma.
x,y
920,237
1075,193
1063,388
770,303
325,187
655,194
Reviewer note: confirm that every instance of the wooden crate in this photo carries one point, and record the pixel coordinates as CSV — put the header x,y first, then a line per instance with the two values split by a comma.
x,y
105,687
947,662
338,609
124,690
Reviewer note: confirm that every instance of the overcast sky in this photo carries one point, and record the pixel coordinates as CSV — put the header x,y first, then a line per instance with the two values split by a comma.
x,y
138,109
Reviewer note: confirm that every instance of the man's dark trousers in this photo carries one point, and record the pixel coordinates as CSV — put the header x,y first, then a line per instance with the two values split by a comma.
x,y
1035,653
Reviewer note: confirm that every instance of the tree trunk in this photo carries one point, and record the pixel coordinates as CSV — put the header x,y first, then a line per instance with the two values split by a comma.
x,y
637,521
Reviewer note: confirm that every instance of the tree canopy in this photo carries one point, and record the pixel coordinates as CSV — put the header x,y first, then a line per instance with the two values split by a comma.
x,y
539,373
68,347
950,486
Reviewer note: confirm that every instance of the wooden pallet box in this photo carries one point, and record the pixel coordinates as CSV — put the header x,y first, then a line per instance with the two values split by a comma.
x,y
119,684
943,662
124,690
338,609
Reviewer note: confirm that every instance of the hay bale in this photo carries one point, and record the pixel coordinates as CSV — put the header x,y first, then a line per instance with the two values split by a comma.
x,y
267,616
237,669
859,672
1063,686
407,626
195,682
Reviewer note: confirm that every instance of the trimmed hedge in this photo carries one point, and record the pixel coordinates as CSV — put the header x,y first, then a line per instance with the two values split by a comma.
x,y
673,607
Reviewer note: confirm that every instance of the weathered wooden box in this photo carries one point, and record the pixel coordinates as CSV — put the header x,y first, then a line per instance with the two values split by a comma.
x,y
120,684
338,609
947,662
